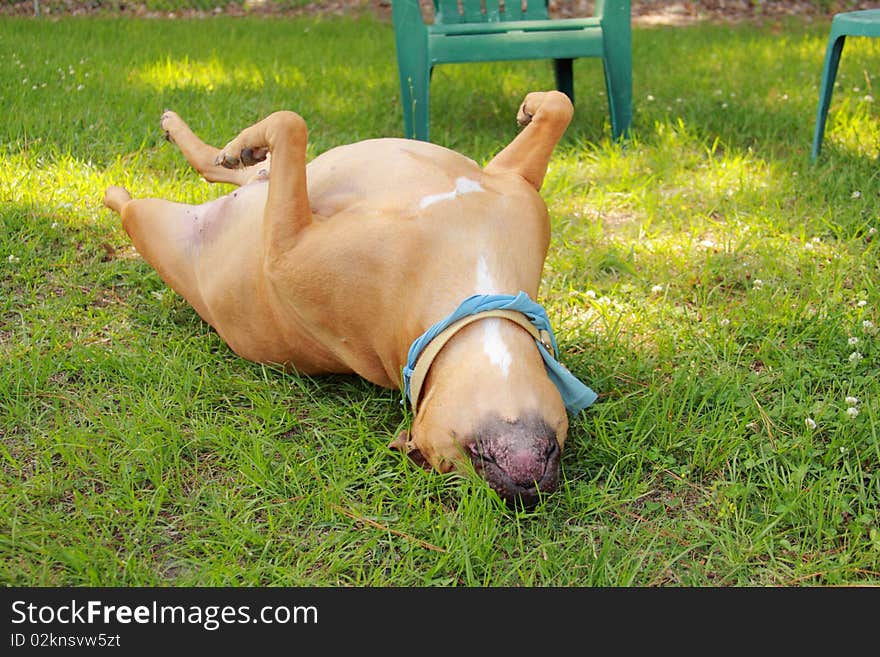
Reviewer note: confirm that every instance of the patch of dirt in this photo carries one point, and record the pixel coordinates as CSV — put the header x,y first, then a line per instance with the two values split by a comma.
x,y
644,12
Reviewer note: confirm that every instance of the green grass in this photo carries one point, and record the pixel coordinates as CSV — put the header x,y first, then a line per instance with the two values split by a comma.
x,y
704,278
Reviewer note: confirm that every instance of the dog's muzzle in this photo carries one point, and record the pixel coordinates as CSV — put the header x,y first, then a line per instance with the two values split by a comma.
x,y
519,460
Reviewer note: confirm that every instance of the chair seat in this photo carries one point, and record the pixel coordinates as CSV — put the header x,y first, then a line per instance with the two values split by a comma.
x,y
518,44
863,23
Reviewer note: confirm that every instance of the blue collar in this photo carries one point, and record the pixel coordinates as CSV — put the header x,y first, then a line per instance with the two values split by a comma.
x,y
575,395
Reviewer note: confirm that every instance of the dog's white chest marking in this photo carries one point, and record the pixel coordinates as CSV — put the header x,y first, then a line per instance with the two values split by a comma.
x,y
493,342
462,186
485,281
495,347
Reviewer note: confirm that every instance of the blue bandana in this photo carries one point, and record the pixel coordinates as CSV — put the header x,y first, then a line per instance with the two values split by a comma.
x,y
575,395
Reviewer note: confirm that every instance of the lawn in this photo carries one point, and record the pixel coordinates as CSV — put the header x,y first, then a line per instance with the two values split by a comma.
x,y
719,292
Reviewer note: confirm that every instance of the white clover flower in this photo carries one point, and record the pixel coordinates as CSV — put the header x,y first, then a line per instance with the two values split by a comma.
x,y
843,450
856,194
591,294
657,289
13,258
868,326
852,401
724,321
852,341
852,411
650,97
810,422
758,284
855,357
861,303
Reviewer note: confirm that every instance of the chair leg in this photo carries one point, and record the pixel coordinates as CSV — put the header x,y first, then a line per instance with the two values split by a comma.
x,y
563,71
421,91
411,43
618,84
829,73
414,94
617,58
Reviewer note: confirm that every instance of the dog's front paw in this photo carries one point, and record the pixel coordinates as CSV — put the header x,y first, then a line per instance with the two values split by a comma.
x,y
529,107
554,103
232,157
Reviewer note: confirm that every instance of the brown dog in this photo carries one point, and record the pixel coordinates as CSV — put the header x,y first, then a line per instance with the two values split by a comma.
x,y
341,265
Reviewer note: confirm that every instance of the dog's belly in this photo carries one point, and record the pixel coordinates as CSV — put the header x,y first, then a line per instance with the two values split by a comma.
x,y
386,174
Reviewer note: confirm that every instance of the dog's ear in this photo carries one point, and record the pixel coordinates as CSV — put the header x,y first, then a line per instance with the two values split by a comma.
x,y
404,444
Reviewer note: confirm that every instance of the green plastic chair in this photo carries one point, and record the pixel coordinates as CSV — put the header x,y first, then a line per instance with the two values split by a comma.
x,y
493,30
864,23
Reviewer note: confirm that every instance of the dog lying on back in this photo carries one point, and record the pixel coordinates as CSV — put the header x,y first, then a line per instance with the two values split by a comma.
x,y
399,260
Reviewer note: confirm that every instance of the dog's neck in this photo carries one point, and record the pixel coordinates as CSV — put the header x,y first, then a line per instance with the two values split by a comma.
x,y
427,347
489,371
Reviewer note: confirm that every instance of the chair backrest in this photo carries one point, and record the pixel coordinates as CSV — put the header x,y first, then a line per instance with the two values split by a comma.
x,y
488,11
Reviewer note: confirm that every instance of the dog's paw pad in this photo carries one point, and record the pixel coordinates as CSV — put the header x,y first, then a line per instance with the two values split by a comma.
x,y
228,161
523,117
529,107
246,157
251,156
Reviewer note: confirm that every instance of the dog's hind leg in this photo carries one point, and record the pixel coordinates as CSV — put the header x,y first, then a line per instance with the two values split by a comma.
x,y
161,232
217,252
203,157
545,115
